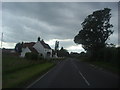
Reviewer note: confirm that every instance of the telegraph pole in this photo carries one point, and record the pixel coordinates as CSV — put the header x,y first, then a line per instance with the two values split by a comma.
x,y
56,48
1,40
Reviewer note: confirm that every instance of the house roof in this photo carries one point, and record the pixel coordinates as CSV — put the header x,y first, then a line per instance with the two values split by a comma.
x,y
33,49
30,46
45,45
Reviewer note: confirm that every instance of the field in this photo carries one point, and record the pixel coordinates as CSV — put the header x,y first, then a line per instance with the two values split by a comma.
x,y
19,72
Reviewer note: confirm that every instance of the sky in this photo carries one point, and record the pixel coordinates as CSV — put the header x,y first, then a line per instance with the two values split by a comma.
x,y
51,21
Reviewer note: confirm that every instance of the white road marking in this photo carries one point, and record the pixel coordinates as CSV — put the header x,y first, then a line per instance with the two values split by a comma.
x,y
36,80
96,67
75,66
84,78
81,75
92,65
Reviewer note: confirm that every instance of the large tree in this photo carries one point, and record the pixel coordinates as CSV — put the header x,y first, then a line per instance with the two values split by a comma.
x,y
96,29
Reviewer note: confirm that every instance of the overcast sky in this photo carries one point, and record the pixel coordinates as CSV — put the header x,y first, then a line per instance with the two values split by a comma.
x,y
25,21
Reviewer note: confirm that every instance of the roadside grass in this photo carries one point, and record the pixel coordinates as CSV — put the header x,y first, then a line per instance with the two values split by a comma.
x,y
113,67
18,78
56,60
14,63
107,65
19,72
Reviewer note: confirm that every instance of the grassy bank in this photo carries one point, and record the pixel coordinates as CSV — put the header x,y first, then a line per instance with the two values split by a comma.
x,y
18,72
113,67
19,78
107,65
14,63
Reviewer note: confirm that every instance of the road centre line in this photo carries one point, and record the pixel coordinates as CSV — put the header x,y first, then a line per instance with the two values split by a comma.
x,y
81,75
84,78
92,65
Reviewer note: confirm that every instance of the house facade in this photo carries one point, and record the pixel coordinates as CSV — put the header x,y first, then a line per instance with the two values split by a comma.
x,y
39,47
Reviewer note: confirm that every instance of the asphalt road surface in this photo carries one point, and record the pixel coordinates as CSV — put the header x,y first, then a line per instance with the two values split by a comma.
x,y
72,73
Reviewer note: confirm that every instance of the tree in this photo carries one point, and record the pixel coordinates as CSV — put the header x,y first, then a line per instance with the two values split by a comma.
x,y
96,29
63,52
18,47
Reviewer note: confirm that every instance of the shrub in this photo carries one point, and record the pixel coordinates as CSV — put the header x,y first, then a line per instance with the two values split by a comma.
x,y
108,54
31,56
40,57
27,55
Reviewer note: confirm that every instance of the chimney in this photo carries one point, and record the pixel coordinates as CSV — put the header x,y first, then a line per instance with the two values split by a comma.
x,y
38,38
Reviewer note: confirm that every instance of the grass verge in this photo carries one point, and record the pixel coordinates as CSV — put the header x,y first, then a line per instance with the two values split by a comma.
x,y
112,67
20,78
14,63
107,65
19,72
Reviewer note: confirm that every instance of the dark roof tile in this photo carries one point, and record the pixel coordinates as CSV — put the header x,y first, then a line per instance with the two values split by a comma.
x,y
31,44
45,45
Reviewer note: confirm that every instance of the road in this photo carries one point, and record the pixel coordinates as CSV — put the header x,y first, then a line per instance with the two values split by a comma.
x,y
72,73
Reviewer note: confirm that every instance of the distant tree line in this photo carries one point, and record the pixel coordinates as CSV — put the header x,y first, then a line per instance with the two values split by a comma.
x,y
107,54
62,52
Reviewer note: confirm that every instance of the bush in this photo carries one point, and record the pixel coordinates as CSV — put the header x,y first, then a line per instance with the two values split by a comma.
x,y
108,54
31,56
27,55
40,57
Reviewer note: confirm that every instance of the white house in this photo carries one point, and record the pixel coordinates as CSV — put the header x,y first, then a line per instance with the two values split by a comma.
x,y
39,47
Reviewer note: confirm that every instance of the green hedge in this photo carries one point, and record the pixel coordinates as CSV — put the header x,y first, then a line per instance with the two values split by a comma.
x,y
109,54
31,56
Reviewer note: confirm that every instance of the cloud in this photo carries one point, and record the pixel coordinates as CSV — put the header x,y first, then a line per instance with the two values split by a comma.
x,y
75,48
62,42
8,45
25,21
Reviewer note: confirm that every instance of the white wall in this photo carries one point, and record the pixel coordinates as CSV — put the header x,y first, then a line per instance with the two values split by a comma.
x,y
24,51
48,50
38,46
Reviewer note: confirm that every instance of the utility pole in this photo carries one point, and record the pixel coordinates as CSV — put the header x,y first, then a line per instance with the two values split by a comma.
x,y
1,40
56,45
56,48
